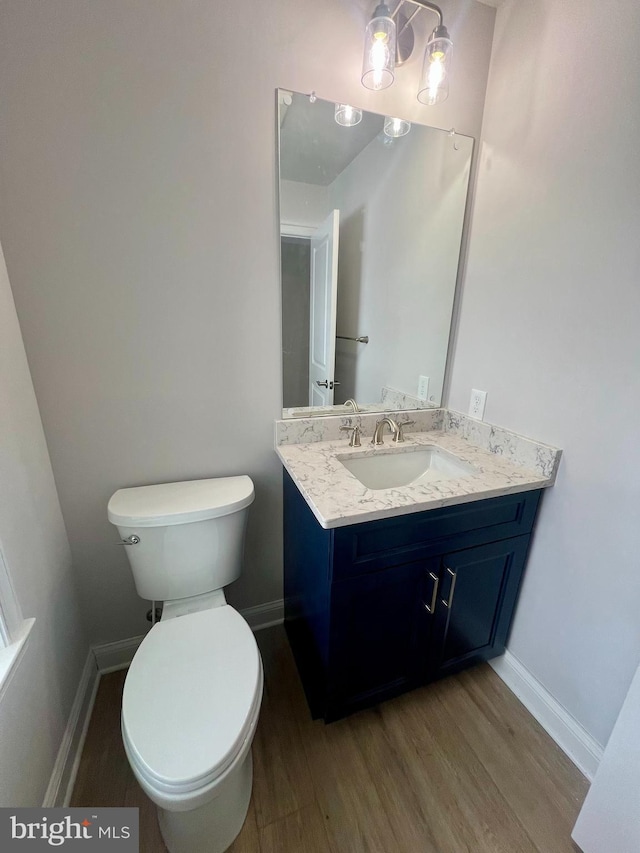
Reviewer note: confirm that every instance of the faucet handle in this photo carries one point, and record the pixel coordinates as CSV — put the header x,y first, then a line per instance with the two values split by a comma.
x,y
400,435
354,438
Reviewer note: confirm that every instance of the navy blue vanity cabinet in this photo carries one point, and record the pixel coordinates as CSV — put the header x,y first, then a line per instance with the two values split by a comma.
x,y
380,629
477,596
378,608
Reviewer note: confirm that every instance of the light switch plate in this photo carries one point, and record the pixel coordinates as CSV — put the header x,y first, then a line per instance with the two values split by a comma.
x,y
477,404
423,387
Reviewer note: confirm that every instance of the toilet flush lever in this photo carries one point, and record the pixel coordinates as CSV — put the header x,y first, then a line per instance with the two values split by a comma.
x,y
130,540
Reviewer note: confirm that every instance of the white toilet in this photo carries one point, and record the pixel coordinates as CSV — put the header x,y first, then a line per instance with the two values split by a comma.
x,y
193,691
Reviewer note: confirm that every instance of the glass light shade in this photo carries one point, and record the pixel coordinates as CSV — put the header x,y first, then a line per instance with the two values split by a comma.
x,y
434,82
347,115
379,58
395,127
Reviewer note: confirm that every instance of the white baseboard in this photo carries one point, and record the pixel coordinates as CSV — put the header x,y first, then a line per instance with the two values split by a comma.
x,y
572,738
65,769
111,657
264,615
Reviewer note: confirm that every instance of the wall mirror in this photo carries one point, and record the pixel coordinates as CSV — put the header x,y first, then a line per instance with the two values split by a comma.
x,y
371,225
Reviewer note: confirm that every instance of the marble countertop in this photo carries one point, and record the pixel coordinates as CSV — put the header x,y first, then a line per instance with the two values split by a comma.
x,y
337,498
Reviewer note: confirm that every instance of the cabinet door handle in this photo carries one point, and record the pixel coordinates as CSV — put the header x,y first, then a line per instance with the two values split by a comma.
x,y
434,594
454,578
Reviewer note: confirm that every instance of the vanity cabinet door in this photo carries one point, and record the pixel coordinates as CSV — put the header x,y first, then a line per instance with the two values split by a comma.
x,y
380,631
478,591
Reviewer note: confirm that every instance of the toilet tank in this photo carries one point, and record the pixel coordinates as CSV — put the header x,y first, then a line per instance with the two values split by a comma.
x,y
189,536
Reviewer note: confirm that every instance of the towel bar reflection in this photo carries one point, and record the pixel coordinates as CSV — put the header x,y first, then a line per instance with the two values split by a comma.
x,y
363,339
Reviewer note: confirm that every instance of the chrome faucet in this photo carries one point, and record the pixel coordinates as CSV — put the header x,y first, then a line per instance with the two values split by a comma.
x,y
351,402
379,430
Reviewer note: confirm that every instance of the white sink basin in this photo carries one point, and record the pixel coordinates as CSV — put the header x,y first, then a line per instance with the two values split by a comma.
x,y
391,469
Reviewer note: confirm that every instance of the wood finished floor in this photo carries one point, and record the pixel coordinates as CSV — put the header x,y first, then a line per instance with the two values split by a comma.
x,y
454,767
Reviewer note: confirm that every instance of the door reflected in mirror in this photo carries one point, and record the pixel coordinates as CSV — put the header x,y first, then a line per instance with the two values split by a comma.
x,y
371,228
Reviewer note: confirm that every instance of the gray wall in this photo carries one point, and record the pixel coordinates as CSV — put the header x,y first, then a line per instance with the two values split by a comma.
x,y
139,218
35,702
550,328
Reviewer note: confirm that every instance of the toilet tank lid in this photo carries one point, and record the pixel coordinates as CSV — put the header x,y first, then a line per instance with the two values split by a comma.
x,y
180,503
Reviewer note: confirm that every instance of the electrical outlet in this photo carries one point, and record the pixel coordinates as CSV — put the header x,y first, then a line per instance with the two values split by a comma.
x,y
477,404
423,387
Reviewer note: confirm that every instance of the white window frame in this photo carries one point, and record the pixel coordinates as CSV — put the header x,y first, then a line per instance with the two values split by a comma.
x,y
14,629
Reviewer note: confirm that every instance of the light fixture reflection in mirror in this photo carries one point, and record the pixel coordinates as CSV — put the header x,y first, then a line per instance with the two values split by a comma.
x,y
347,116
370,229
396,127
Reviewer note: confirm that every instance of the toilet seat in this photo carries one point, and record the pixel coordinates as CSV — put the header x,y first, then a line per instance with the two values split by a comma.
x,y
191,700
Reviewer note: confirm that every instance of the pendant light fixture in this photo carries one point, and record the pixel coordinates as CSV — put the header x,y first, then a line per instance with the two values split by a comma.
x,y
389,41
379,50
434,82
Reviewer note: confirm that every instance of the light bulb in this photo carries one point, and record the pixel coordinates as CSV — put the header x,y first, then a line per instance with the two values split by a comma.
x,y
378,60
436,76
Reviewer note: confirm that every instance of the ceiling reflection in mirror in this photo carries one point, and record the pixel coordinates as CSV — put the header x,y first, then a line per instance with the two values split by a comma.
x,y
371,226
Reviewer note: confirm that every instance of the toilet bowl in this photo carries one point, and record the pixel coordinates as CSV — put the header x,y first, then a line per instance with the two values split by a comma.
x,y
192,694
